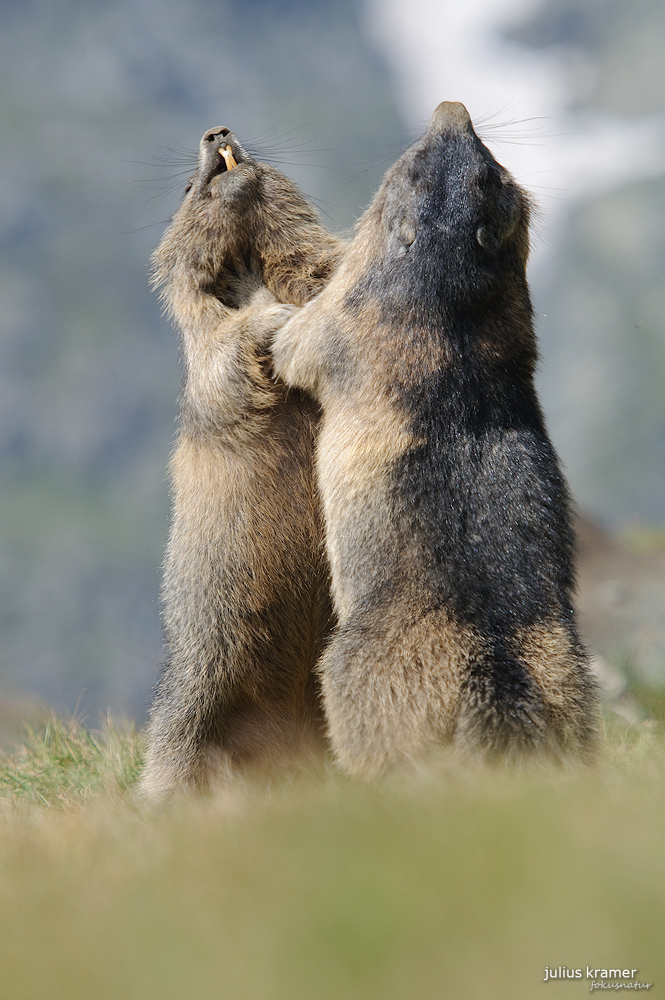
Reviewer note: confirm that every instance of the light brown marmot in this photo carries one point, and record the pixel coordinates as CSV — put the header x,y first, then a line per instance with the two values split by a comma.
x,y
246,602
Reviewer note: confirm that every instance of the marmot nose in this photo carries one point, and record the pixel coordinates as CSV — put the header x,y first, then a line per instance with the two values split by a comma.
x,y
451,115
212,133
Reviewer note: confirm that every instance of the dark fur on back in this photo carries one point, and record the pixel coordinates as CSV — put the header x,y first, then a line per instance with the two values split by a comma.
x,y
447,516
246,589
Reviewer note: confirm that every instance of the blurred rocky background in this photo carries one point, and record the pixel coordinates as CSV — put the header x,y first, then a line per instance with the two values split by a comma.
x,y
603,339
101,108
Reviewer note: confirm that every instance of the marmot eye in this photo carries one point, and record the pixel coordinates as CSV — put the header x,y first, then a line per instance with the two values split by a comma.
x,y
489,178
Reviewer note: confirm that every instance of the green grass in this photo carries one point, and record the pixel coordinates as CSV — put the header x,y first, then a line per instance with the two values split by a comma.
x,y
644,697
455,882
64,762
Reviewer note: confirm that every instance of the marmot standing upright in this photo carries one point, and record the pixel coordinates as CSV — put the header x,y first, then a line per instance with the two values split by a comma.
x,y
447,517
246,587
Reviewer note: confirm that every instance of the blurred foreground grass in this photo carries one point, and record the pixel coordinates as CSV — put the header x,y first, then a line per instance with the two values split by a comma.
x,y
453,883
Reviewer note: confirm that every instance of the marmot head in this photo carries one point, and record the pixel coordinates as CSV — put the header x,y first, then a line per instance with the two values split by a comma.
x,y
243,223
449,223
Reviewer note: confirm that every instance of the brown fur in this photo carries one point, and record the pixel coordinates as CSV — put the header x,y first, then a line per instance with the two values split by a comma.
x,y
246,591
447,518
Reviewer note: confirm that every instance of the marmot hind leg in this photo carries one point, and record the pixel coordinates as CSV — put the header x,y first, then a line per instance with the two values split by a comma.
x,y
529,704
199,733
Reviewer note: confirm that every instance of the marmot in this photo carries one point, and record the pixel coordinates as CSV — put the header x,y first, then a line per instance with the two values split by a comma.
x,y
246,602
448,525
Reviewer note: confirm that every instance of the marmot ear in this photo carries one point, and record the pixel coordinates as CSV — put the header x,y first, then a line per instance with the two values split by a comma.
x,y
402,232
407,232
504,216
486,238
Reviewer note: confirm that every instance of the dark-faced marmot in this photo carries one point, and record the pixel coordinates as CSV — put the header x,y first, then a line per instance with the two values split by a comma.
x,y
246,589
447,517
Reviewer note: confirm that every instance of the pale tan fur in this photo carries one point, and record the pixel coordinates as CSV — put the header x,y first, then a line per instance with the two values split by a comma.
x,y
400,697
